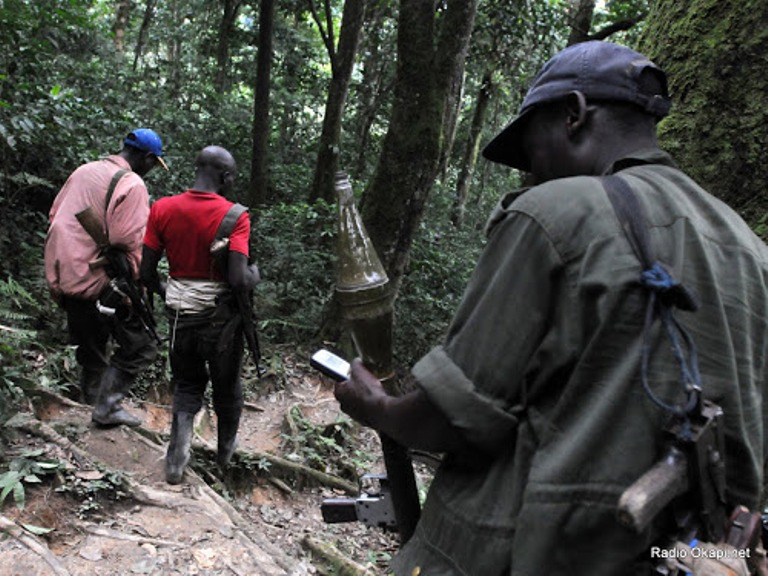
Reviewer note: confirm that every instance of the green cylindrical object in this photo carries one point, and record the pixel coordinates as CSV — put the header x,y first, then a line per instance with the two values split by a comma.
x,y
362,286
364,293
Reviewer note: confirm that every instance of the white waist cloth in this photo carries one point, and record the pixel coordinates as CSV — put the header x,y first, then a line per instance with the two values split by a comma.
x,y
192,296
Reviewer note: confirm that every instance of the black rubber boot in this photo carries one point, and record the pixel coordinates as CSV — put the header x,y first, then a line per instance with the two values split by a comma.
x,y
90,381
177,457
108,411
227,432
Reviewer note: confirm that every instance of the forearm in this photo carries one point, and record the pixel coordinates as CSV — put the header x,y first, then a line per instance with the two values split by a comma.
x,y
414,421
148,272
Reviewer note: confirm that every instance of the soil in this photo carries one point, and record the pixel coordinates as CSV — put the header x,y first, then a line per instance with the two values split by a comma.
x,y
107,509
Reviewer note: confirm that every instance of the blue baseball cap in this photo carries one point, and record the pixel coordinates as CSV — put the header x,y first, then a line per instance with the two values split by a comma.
x,y
599,70
148,141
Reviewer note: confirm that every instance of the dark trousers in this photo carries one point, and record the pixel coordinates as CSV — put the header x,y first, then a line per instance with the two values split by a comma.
x,y
202,349
132,348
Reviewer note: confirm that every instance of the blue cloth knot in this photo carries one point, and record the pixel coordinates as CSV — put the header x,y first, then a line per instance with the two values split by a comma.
x,y
670,291
658,278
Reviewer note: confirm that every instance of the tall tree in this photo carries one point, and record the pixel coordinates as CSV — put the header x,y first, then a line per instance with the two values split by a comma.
x,y
122,13
342,59
472,149
226,30
712,51
377,77
149,12
394,202
261,119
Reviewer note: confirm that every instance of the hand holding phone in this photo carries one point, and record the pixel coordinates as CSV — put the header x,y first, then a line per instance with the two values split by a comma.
x,y
330,364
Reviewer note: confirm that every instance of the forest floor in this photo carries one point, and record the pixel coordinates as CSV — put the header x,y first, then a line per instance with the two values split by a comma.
x,y
102,506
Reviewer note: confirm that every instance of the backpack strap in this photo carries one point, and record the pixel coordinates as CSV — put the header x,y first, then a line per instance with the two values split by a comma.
x,y
110,191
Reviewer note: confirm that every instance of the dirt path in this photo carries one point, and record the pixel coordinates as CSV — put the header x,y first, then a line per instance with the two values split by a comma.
x,y
255,522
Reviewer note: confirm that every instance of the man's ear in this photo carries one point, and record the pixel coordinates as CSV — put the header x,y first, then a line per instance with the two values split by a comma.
x,y
577,112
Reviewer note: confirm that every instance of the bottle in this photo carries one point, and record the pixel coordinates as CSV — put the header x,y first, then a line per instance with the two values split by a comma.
x,y
362,287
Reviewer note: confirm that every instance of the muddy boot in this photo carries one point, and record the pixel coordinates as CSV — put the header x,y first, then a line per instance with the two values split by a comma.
x,y
90,381
108,411
227,432
177,457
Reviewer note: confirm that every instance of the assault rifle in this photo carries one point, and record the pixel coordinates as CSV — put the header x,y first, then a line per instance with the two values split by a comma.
x,y
219,252
115,262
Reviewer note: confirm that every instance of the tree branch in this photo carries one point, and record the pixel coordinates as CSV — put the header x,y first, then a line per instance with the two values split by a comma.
x,y
328,41
614,27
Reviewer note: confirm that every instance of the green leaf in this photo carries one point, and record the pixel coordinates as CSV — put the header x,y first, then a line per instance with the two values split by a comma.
x,y
8,481
39,530
18,495
55,90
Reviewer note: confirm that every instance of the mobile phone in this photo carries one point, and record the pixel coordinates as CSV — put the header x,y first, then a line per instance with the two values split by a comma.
x,y
330,364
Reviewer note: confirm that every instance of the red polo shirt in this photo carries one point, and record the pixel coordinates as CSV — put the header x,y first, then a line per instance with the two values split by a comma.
x,y
185,225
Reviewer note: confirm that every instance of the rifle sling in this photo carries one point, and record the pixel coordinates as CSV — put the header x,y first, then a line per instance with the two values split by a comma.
x,y
110,191
228,222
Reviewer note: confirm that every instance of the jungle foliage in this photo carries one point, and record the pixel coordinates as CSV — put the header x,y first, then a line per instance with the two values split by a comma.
x,y
77,75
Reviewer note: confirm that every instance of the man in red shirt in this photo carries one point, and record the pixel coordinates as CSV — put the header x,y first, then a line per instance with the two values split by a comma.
x,y
77,285
206,326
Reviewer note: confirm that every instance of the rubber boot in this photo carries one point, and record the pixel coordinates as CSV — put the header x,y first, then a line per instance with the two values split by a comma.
x,y
177,457
227,433
90,381
108,411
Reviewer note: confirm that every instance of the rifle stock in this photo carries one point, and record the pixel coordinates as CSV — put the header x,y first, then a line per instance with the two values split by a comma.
x,y
116,262
251,338
90,222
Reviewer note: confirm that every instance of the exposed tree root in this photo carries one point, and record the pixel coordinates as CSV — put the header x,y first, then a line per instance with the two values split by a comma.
x,y
286,466
32,543
342,566
201,499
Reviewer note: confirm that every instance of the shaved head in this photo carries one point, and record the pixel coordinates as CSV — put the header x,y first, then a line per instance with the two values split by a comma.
x,y
215,170
215,157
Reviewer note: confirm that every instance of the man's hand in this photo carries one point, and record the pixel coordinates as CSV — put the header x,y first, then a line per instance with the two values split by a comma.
x,y
362,396
411,419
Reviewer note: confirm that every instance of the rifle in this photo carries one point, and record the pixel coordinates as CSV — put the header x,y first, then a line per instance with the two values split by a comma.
x,y
219,253
244,306
115,262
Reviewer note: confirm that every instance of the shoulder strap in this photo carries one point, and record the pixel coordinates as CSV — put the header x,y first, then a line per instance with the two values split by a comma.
x,y
631,216
110,191
228,222
665,293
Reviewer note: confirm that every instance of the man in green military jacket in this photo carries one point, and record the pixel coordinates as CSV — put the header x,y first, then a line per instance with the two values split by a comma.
x,y
535,396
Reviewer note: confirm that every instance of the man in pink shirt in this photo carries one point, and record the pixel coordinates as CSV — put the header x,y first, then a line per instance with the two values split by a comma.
x,y
114,188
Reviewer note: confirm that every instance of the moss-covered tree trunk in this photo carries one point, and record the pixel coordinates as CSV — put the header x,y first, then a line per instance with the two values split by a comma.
x,y
715,53
394,203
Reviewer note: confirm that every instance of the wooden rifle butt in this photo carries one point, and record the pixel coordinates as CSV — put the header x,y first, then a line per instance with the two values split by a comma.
x,y
643,500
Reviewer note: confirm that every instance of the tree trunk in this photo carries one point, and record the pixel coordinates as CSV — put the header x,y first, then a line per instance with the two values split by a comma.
x,y
472,149
258,189
226,29
149,12
394,203
122,13
581,21
342,62
453,45
377,67
711,51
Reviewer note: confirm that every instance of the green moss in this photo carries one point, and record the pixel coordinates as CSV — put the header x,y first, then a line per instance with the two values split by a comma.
x,y
715,54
